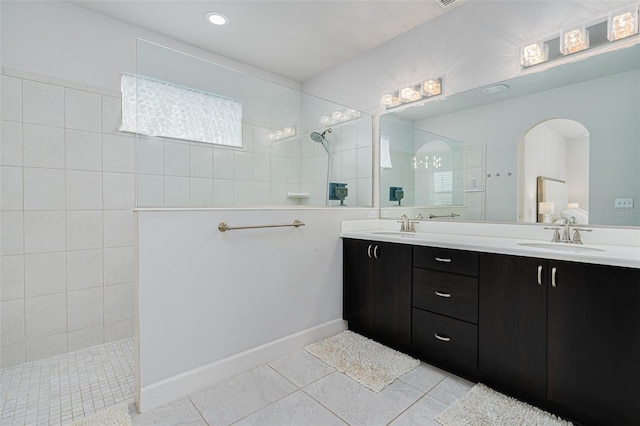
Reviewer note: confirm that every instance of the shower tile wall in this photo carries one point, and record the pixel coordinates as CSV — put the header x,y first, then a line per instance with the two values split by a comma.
x,y
66,229
176,173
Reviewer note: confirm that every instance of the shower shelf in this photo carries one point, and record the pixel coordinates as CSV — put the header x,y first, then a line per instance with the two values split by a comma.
x,y
298,195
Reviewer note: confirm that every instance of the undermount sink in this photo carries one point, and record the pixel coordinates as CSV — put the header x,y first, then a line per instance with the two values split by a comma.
x,y
574,248
398,233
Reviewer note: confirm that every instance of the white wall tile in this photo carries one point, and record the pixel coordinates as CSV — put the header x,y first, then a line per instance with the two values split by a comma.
x,y
293,170
200,161
83,150
44,231
306,170
243,165
11,277
46,347
118,153
293,148
150,190
45,273
13,355
118,228
85,338
176,191
118,265
42,104
84,190
43,146
11,103
119,302
223,163
111,114
12,329
278,169
10,143
84,269
84,230
365,163
261,167
45,316
365,192
118,191
149,155
11,229
11,188
118,330
85,308
83,110
201,192
223,192
43,189
176,158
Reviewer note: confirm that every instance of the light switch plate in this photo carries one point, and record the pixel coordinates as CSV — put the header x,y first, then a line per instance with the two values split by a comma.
x,y
623,203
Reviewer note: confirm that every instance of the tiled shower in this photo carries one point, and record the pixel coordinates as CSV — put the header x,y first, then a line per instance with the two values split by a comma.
x,y
67,193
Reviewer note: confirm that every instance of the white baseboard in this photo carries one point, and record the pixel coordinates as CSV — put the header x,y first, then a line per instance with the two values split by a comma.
x,y
167,390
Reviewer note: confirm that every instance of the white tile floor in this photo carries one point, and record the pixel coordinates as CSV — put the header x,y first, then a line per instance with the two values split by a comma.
x,y
58,389
298,389
302,390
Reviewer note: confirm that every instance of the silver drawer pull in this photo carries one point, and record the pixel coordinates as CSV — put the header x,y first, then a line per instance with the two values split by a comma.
x,y
375,252
438,293
440,259
443,338
539,274
369,251
553,277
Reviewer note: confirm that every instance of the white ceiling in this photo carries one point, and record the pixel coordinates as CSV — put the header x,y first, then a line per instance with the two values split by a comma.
x,y
297,39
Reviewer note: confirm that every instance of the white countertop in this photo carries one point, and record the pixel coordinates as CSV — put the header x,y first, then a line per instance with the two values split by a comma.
x,y
508,241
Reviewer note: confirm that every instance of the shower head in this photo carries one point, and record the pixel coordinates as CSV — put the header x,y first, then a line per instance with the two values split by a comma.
x,y
320,138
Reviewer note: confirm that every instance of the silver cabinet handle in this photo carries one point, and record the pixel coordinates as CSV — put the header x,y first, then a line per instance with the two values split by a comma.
x,y
375,252
438,293
369,251
440,259
539,274
553,277
442,338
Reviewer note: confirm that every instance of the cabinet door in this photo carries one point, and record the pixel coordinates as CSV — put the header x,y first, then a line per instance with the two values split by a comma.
x,y
512,325
594,342
358,285
392,297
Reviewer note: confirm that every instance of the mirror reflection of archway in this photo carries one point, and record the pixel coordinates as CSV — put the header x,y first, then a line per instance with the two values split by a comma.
x,y
558,150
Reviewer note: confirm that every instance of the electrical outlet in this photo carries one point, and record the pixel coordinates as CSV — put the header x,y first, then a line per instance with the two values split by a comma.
x,y
371,214
623,203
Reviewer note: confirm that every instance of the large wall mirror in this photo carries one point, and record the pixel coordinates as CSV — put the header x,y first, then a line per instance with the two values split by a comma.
x,y
577,123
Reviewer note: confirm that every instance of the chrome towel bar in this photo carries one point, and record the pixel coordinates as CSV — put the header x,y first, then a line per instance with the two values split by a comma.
x,y
222,227
433,216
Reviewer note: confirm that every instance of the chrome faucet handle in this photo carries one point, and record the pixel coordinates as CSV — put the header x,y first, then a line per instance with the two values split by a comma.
x,y
577,238
404,220
412,225
419,216
556,233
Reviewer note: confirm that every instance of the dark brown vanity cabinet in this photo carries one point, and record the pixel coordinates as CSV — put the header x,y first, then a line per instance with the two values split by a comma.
x,y
377,291
445,307
564,334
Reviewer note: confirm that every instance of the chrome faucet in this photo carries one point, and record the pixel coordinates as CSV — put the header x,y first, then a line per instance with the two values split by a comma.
x,y
566,232
404,223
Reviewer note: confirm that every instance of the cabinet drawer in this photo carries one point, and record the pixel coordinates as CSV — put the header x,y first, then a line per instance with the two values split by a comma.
x,y
446,260
444,293
445,340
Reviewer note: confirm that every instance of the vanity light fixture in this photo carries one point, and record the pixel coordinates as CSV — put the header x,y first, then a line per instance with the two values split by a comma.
x,y
574,40
280,134
217,18
623,23
412,93
618,25
340,116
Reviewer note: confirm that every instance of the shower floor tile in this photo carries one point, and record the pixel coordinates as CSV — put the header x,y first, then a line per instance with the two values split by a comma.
x,y
59,389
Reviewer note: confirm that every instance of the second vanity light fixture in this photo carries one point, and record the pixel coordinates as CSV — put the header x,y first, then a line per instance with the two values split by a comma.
x,y
619,25
412,93
340,116
280,134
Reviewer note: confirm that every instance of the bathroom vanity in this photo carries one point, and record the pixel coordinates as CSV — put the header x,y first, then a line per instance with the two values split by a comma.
x,y
558,329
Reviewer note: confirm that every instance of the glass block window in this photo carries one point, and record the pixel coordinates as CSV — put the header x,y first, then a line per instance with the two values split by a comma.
x,y
157,108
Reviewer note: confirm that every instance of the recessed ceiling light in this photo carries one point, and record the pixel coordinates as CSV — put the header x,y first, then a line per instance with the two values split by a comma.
x,y
217,18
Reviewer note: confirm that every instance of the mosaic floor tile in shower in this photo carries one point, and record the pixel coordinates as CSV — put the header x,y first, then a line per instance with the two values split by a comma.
x,y
56,390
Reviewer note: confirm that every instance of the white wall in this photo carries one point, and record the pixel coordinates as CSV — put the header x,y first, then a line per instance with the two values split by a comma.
x,y
578,175
61,40
206,297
